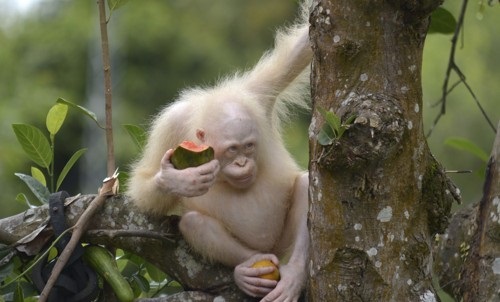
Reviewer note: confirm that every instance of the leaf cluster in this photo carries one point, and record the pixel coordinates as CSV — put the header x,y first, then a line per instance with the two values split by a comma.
x,y
145,279
334,128
40,150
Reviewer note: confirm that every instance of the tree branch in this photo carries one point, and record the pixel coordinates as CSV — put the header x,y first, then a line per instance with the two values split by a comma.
x,y
121,225
452,66
107,87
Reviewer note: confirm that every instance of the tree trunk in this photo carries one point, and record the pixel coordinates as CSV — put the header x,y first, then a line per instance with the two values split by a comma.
x,y
377,194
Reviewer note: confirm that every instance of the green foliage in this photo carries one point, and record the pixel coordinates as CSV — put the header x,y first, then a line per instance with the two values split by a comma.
x,y
34,144
40,191
146,279
69,164
7,268
442,22
467,146
138,135
55,118
116,4
38,175
333,129
81,109
13,271
463,144
22,199
41,151
103,263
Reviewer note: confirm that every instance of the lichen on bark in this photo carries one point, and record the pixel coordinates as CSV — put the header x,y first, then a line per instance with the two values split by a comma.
x,y
438,194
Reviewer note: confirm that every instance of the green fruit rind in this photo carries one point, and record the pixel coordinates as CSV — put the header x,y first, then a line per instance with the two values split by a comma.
x,y
104,264
188,154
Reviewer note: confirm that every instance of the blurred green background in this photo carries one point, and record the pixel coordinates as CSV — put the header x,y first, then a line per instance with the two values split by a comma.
x,y
51,49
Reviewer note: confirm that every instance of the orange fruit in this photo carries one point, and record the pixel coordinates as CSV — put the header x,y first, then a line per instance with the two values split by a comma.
x,y
275,275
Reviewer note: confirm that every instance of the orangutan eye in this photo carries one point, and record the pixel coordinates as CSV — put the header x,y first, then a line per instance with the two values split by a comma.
x,y
232,149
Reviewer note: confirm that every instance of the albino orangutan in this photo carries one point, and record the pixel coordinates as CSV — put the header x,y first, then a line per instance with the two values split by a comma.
x,y
249,203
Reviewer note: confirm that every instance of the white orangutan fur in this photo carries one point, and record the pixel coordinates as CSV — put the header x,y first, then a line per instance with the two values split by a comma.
x,y
250,203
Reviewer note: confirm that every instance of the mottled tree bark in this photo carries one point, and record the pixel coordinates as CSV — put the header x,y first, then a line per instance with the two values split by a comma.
x,y
377,194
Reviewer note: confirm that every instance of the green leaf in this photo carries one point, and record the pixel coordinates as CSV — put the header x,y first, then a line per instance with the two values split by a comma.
x,y
130,268
34,143
8,266
38,175
468,146
136,289
442,22
41,192
350,120
326,136
341,131
21,198
142,282
68,167
116,4
331,119
18,293
81,109
138,135
55,117
345,126
155,273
